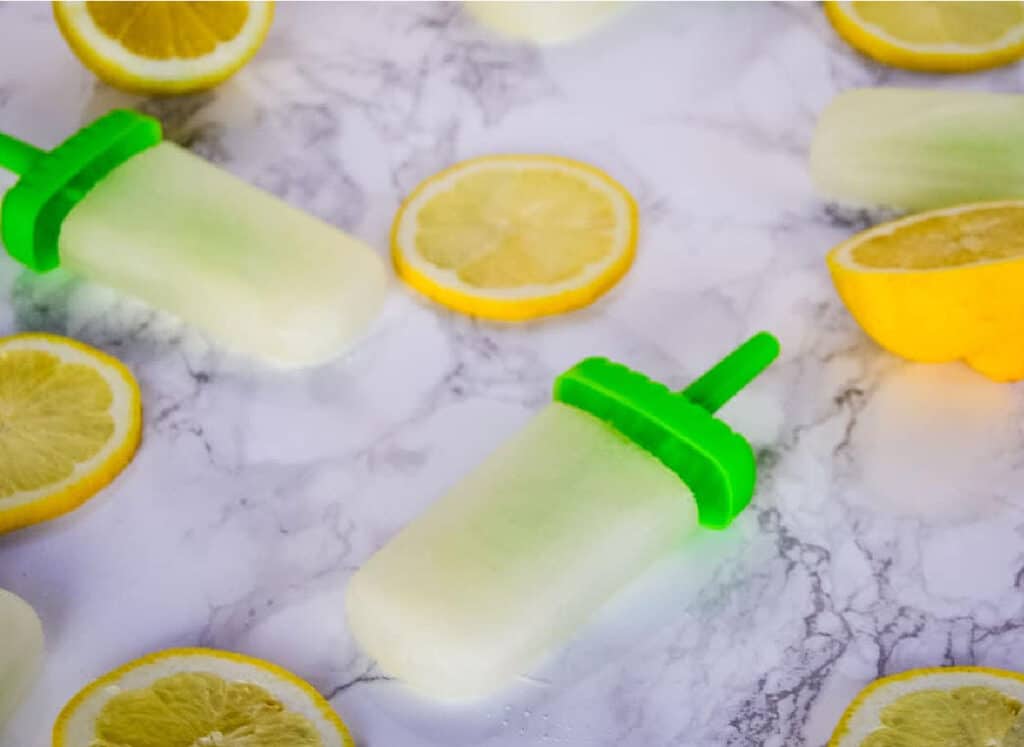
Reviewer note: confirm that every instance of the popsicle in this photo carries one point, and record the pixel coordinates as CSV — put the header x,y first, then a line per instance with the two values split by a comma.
x,y
919,149
121,207
610,476
21,650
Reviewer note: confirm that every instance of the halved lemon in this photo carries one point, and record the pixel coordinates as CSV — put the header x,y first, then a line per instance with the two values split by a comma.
x,y
941,286
515,237
164,47
932,36
942,707
196,697
70,420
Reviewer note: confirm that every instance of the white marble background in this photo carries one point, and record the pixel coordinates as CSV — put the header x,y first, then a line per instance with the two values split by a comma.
x,y
887,531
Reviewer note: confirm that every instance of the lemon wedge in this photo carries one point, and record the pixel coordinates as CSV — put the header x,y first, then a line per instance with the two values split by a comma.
x,y
962,706
515,237
932,36
164,47
70,420
199,697
941,286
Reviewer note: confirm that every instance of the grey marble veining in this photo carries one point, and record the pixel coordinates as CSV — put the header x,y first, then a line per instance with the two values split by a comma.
x,y
887,529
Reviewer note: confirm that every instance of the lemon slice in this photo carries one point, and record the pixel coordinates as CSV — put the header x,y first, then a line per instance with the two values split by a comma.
x,y
932,36
941,286
164,47
193,697
961,706
70,419
515,237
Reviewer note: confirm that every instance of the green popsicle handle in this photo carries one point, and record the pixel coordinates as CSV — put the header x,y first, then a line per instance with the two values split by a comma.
x,y
16,155
53,182
726,379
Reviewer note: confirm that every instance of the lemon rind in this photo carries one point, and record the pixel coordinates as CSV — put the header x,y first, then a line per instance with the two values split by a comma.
x,y
841,256
129,71
951,58
963,676
524,303
92,691
94,475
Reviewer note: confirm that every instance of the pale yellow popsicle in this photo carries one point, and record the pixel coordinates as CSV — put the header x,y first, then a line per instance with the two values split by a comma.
x,y
21,651
258,275
507,566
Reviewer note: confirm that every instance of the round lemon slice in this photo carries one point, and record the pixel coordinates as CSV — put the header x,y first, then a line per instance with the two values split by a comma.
x,y
198,697
963,706
932,36
941,286
164,47
515,237
70,420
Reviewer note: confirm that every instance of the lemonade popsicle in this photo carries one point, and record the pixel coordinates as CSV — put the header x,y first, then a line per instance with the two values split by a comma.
x,y
919,149
121,207
506,567
21,650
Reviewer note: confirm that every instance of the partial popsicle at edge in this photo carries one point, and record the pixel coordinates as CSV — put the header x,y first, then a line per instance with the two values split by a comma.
x,y
917,149
21,651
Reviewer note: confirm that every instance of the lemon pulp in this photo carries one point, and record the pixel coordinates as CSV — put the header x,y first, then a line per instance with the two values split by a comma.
x,y
199,709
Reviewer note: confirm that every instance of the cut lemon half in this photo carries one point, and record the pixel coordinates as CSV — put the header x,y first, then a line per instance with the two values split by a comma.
x,y
164,47
70,420
197,697
941,286
515,237
932,36
961,706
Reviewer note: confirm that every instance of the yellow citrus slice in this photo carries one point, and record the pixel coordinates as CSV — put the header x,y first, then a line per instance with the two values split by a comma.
x,y
515,237
962,706
193,697
70,420
164,47
941,286
932,36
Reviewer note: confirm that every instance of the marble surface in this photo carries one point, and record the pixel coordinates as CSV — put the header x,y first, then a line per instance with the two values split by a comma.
x,y
888,529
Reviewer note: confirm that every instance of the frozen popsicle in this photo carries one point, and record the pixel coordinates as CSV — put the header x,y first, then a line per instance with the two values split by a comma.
x,y
121,207
919,149
613,474
21,650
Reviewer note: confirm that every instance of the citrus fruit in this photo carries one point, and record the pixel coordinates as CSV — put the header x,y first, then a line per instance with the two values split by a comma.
x,y
193,697
164,47
21,650
70,421
932,36
946,707
941,286
515,237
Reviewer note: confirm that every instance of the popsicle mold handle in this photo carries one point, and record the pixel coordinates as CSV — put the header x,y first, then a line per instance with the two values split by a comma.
x,y
53,182
679,429
730,375
16,155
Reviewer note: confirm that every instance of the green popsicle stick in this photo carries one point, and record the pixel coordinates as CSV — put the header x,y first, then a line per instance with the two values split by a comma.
x,y
16,155
717,464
